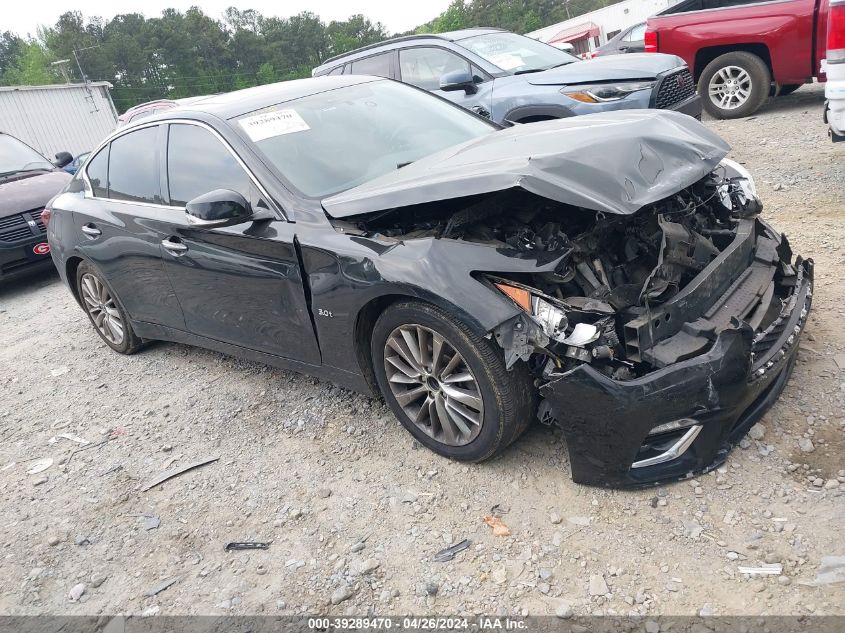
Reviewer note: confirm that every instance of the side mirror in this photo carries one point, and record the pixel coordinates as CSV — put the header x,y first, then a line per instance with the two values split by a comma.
x,y
221,207
458,80
62,159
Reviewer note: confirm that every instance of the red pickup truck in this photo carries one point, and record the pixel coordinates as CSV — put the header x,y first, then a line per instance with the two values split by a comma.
x,y
742,51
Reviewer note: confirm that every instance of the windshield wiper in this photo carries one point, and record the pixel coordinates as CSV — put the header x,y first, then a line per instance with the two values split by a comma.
x,y
529,70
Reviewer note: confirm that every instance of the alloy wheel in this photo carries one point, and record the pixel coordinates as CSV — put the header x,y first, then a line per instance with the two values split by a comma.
x,y
433,384
730,87
101,306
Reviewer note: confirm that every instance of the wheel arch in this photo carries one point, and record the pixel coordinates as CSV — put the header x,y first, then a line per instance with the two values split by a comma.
x,y
71,266
369,312
707,54
532,113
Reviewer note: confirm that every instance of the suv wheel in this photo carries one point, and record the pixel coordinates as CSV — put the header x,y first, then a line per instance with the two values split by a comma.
x,y
734,85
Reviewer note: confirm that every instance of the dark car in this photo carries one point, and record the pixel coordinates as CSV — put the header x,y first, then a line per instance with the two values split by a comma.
x,y
629,40
509,77
27,182
610,273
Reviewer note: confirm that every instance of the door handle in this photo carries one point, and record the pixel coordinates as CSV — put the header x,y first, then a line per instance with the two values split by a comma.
x,y
91,230
175,248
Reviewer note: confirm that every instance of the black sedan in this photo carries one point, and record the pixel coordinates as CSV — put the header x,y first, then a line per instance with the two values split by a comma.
x,y
609,273
27,182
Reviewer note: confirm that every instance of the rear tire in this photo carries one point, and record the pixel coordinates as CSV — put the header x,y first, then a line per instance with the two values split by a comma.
x,y
505,398
734,85
105,311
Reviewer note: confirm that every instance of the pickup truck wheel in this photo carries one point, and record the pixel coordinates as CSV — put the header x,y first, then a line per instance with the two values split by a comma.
x,y
734,85
448,386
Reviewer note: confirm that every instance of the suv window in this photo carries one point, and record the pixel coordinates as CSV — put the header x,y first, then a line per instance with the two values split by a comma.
x,y
378,65
336,71
636,34
98,173
197,162
133,167
424,66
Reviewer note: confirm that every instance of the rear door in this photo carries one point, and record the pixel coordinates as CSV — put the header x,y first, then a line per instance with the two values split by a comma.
x,y
238,284
121,223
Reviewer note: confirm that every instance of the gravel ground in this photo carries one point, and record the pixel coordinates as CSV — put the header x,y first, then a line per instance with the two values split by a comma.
x,y
355,511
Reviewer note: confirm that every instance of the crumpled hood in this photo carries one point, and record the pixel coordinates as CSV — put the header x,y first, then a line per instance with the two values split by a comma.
x,y
610,68
614,162
30,193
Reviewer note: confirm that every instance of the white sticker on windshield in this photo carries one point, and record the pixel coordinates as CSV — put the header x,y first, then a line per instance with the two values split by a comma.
x,y
270,124
507,61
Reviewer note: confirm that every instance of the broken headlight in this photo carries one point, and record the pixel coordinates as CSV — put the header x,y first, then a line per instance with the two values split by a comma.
x,y
735,171
600,93
552,319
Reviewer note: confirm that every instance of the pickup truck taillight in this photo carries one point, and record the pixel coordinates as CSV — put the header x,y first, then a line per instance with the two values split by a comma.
x,y
650,41
836,32
45,215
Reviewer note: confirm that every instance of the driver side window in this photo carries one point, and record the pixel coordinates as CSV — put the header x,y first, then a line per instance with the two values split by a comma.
x,y
424,66
198,162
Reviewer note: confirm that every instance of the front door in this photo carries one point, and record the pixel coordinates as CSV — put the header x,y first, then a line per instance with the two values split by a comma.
x,y
423,66
239,284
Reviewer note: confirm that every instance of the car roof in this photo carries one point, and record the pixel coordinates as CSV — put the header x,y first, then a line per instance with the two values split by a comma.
x,y
449,36
234,104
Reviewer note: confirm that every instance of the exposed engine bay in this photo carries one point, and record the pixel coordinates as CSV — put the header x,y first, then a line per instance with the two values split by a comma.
x,y
620,280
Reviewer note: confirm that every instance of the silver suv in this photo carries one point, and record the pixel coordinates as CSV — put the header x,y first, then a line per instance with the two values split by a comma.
x,y
509,77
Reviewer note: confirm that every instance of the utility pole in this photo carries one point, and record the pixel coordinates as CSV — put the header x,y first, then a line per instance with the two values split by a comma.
x,y
85,80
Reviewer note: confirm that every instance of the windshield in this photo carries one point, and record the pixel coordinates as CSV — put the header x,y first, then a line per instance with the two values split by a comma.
x,y
336,140
16,156
515,53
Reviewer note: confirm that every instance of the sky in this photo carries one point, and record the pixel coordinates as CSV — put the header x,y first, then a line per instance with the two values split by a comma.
x,y
397,15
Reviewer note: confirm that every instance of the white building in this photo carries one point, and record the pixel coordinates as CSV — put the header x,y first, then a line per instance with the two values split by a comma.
x,y
590,30
58,118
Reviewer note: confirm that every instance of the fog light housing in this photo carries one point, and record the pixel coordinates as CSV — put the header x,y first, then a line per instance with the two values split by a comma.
x,y
674,425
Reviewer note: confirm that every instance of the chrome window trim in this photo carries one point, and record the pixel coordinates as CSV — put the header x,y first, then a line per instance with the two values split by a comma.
x,y
88,193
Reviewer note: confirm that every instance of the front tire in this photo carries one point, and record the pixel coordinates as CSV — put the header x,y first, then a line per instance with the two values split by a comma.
x,y
105,311
448,386
734,85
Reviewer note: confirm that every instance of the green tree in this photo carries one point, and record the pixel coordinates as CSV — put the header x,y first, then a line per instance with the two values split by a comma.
x,y
31,68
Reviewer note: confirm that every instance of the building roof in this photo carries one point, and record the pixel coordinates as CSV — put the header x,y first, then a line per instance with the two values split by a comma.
x,y
92,84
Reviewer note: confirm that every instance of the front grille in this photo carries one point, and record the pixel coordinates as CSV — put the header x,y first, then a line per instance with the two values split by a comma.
x,y
674,89
12,220
17,227
15,234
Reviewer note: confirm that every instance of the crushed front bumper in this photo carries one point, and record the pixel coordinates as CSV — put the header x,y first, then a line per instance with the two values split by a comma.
x,y
725,391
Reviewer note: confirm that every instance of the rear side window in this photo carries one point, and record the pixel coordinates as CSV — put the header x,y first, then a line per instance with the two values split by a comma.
x,y
198,162
98,173
133,167
336,71
378,65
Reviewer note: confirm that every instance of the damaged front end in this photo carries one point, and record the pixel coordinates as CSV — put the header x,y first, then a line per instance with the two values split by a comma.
x,y
657,337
